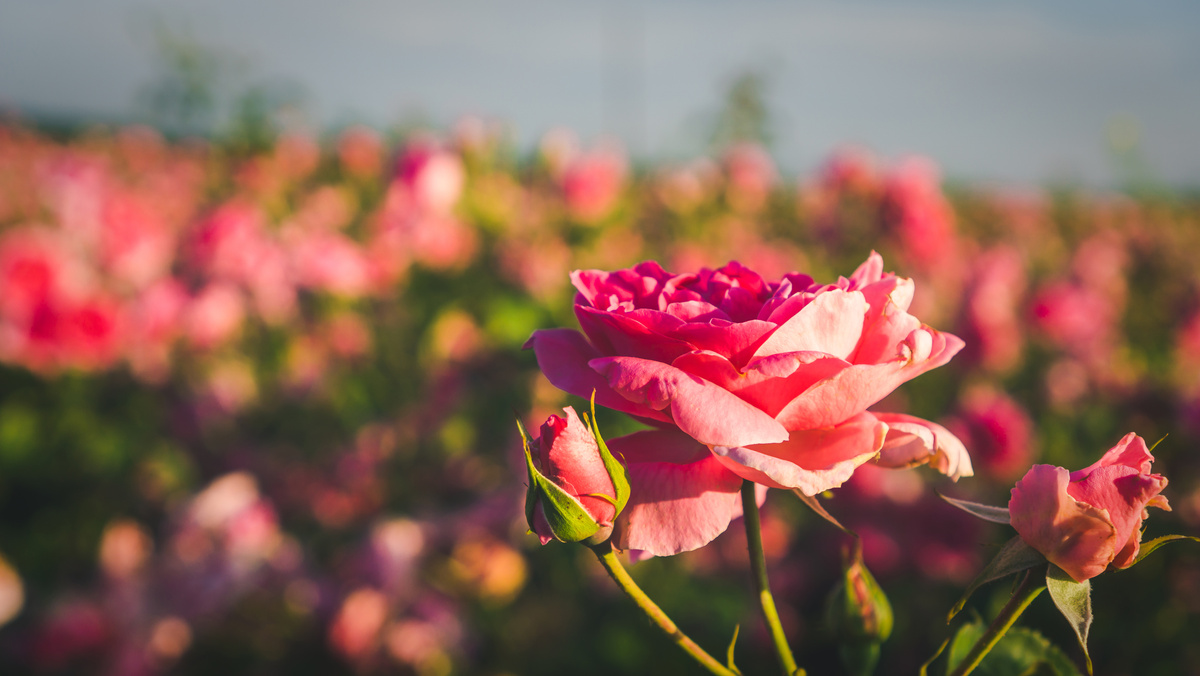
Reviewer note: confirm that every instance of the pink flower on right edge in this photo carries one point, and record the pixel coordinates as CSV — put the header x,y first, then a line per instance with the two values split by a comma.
x,y
1088,520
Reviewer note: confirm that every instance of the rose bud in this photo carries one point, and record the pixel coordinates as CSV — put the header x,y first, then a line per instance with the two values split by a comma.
x,y
1088,520
859,615
576,486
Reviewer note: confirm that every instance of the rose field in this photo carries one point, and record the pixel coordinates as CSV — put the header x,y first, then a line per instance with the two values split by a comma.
x,y
425,403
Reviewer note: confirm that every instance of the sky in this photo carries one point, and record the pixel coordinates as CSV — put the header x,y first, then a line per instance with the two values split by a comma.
x,y
1013,92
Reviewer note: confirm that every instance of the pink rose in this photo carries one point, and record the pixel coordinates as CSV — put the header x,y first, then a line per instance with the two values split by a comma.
x,y
569,457
1087,520
766,381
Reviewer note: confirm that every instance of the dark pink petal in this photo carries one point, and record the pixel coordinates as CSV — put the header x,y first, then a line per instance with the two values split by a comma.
x,y
694,311
676,508
852,390
1074,536
811,460
736,342
616,333
563,356
831,323
706,412
912,441
769,383
639,285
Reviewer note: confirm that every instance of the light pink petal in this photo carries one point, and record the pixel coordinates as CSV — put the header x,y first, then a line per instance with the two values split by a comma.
x,y
667,445
569,456
706,412
811,460
677,508
852,390
1073,535
563,355
886,327
616,333
869,272
769,383
912,441
831,323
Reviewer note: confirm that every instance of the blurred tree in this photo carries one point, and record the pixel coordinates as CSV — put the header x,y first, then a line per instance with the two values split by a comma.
x,y
744,116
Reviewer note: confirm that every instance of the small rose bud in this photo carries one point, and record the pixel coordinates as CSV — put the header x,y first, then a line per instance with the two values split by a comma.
x,y
859,615
576,487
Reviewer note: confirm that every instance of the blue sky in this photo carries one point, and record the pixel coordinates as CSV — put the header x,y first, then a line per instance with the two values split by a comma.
x,y
1013,92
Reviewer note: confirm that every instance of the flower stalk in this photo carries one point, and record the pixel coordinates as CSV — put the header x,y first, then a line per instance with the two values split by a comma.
x,y
758,565
1031,586
608,558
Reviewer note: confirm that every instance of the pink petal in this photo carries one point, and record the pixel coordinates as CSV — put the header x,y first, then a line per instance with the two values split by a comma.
x,y
769,383
706,412
563,355
852,390
912,441
677,508
735,341
1130,451
1073,535
831,323
886,327
1124,493
667,445
811,460
616,333
869,272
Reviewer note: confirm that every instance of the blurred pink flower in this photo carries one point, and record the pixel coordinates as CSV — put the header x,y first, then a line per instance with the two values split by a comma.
x,y
214,316
750,174
991,321
997,429
434,177
360,151
592,182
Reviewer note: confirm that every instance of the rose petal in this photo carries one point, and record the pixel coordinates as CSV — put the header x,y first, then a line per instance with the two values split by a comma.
x,y
563,355
617,333
666,445
1124,493
853,389
694,402
912,441
831,323
811,460
676,508
769,383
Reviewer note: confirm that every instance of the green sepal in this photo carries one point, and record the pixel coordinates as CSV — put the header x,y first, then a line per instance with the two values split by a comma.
x,y
729,653
816,506
985,512
568,520
1148,547
617,472
1013,557
1074,600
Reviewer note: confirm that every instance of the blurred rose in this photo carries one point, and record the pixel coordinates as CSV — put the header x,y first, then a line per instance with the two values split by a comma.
x,y
750,174
592,183
997,429
12,592
1087,520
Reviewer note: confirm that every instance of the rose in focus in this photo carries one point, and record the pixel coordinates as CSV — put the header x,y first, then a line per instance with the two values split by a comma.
x,y
1088,520
741,379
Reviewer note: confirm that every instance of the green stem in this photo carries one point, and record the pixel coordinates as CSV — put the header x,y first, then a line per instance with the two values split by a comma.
x,y
608,559
758,564
1016,605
